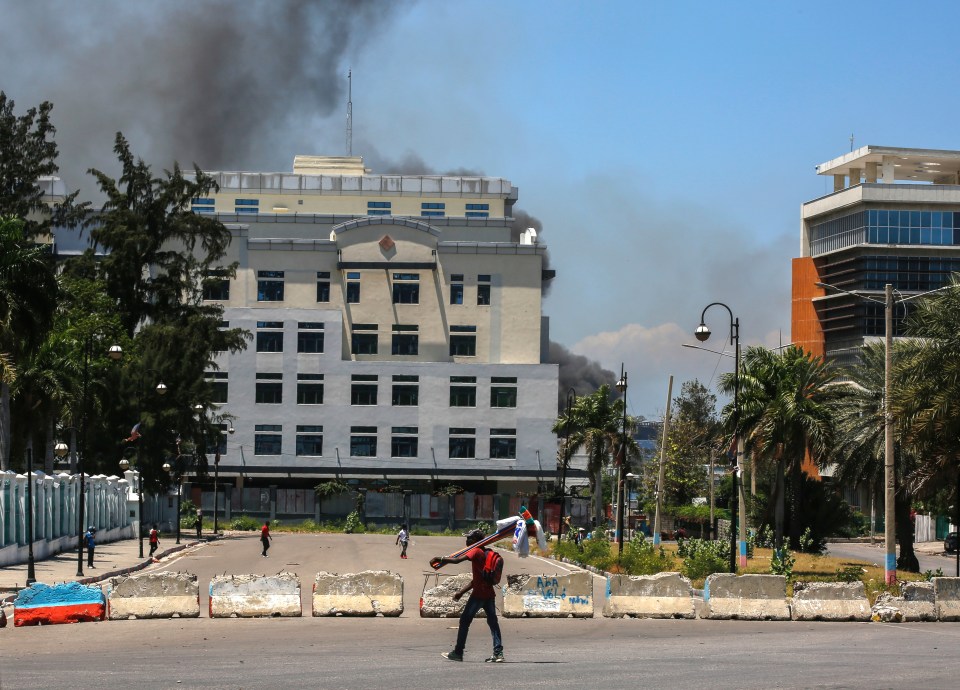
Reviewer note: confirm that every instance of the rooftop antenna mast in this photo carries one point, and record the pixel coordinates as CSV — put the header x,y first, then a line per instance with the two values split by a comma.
x,y
350,112
851,143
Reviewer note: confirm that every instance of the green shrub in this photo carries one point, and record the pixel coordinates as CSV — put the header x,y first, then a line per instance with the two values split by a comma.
x,y
852,573
928,575
641,557
782,563
353,523
245,523
702,557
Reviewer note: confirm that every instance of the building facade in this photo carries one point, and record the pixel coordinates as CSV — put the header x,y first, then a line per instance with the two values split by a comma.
x,y
893,217
398,338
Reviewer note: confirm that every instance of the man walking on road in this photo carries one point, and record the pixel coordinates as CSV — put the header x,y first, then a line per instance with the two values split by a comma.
x,y
154,539
265,537
483,597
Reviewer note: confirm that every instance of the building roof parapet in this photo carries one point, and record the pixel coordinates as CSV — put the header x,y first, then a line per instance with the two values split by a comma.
x,y
454,247
355,184
877,193
935,166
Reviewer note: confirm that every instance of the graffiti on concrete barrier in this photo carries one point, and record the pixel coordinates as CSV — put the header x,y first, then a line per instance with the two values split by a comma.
x,y
549,594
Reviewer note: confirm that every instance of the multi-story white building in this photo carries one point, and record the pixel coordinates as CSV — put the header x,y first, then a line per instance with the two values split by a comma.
x,y
398,333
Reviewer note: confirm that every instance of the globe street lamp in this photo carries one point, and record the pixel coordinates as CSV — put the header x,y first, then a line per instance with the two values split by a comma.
x,y
702,333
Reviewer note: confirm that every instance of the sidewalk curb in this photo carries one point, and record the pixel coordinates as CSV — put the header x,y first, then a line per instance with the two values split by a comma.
x,y
100,577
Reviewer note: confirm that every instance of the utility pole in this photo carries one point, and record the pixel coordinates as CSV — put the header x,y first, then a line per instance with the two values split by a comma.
x,y
661,474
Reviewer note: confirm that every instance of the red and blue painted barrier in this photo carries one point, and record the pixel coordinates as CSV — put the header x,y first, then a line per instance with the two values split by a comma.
x,y
68,602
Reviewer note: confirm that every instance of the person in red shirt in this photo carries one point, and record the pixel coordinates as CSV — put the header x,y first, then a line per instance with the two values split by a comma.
x,y
482,596
265,537
154,540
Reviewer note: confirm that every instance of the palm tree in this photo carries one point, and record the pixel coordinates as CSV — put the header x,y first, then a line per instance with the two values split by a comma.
x,y
595,423
28,296
859,452
786,405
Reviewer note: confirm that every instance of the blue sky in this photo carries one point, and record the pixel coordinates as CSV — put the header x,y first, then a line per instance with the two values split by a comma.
x,y
665,147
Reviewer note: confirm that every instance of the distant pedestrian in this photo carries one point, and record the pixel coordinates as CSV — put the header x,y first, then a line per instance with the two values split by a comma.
x,y
199,522
482,597
403,538
265,537
91,539
154,539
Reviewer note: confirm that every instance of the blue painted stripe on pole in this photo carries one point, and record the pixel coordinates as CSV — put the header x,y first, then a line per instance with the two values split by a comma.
x,y
608,586
891,561
656,540
743,548
706,590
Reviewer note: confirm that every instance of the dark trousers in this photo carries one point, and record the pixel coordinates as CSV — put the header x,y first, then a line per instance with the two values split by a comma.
x,y
89,556
153,548
466,618
266,545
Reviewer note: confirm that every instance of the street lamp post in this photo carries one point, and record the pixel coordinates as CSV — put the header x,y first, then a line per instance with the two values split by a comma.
x,y
126,465
199,409
161,389
631,482
889,474
662,470
702,333
565,460
622,387
176,474
115,352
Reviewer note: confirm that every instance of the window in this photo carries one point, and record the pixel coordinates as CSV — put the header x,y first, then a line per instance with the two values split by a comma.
x,y
463,346
403,442
406,390
267,439
435,210
309,440
323,286
406,341
309,389
269,389
463,443
463,391
483,289
202,206
246,206
478,210
218,385
378,208
269,286
353,288
216,287
363,441
503,395
269,340
310,337
363,389
362,342
456,293
503,444
406,288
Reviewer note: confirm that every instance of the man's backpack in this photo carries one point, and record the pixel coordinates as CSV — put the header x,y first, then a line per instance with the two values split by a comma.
x,y
492,571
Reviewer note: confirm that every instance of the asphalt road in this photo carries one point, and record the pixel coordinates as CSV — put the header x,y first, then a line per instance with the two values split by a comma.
x,y
873,553
404,652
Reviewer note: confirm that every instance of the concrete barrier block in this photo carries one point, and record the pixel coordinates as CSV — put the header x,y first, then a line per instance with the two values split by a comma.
x,y
946,592
67,602
915,603
437,601
830,601
253,596
549,596
746,597
153,595
664,595
368,593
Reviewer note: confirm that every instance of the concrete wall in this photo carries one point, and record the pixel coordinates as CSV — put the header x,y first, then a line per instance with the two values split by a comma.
x,y
549,596
664,595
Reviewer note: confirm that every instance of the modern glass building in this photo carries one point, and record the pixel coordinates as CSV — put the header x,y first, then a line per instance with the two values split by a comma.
x,y
893,217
